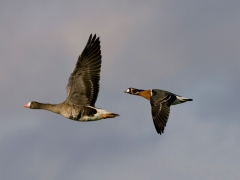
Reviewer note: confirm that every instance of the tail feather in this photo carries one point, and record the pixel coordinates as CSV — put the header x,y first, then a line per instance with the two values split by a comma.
x,y
185,99
181,99
113,114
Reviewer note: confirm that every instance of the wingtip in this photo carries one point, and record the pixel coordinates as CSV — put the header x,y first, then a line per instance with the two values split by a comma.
x,y
160,132
94,37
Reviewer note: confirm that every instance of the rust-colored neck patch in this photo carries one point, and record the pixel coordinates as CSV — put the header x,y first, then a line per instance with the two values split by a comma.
x,y
146,94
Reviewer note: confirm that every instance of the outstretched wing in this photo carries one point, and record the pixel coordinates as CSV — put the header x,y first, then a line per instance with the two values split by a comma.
x,y
161,110
83,83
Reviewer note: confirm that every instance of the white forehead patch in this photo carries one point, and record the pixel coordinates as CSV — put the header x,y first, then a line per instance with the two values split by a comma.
x,y
29,104
128,90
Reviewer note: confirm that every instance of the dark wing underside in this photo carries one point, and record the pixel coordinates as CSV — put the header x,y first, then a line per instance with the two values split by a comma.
x,y
83,83
161,110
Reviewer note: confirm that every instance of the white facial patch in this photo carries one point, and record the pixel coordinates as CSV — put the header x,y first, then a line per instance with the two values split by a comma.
x,y
128,90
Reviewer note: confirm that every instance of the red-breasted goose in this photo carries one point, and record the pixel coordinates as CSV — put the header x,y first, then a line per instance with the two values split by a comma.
x,y
82,88
160,101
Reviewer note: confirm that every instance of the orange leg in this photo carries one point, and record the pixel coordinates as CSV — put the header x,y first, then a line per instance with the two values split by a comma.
x,y
108,116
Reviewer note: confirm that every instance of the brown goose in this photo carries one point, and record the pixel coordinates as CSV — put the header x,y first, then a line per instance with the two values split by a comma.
x,y
160,101
82,88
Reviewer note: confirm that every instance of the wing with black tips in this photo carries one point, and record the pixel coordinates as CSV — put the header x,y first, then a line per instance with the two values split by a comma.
x,y
160,103
83,83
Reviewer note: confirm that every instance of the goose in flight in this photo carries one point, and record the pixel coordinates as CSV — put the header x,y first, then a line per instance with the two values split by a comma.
x,y
160,101
82,88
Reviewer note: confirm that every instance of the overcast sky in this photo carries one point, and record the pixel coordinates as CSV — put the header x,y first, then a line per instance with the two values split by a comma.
x,y
190,48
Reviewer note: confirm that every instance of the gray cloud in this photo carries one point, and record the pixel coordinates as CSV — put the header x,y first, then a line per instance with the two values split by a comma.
x,y
189,48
